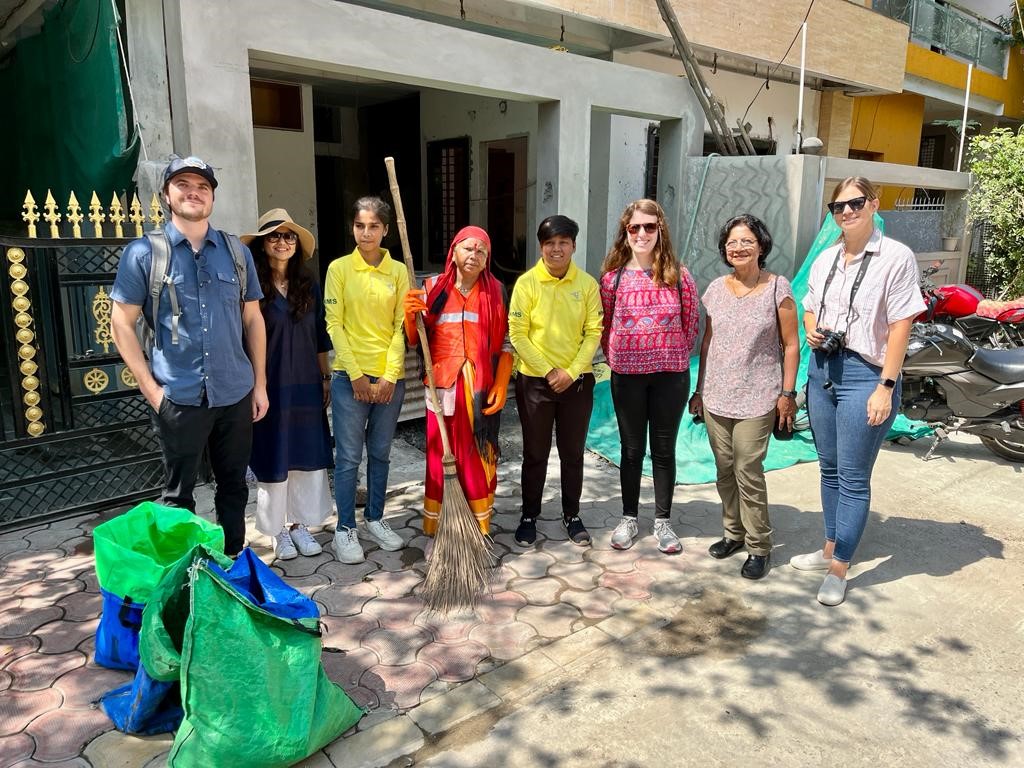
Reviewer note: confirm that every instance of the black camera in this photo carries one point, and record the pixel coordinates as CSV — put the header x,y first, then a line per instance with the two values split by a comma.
x,y
832,341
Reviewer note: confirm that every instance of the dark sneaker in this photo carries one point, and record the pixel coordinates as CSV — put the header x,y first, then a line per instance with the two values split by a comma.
x,y
577,532
526,533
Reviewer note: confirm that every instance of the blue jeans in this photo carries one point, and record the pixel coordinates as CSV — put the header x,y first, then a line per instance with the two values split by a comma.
x,y
847,447
355,424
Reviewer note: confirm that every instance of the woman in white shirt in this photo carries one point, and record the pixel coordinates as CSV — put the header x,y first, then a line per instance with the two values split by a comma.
x,y
862,297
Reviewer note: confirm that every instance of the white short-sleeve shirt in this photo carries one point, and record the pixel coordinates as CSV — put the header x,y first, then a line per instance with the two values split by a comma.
x,y
889,292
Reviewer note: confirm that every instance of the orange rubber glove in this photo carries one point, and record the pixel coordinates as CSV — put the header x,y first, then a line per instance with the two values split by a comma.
x,y
413,304
499,389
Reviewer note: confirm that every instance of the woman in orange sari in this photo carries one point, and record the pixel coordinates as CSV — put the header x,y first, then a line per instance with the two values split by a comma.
x,y
467,324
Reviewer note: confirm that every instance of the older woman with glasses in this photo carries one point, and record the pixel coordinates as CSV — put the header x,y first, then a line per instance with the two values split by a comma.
x,y
746,382
862,297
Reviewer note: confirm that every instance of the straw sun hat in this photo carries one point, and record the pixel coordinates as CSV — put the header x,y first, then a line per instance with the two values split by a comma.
x,y
278,218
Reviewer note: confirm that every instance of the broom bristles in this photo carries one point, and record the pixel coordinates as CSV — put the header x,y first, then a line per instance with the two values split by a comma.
x,y
457,573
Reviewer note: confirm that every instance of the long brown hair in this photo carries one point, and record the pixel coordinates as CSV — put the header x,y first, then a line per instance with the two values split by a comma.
x,y
300,280
666,265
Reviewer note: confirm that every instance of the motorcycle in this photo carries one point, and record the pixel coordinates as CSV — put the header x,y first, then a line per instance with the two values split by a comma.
x,y
997,325
955,385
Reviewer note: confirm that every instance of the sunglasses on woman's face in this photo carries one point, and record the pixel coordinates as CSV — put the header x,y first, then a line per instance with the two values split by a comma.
x,y
650,228
856,204
288,237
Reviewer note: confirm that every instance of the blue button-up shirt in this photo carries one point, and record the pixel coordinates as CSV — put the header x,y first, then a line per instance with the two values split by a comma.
x,y
210,355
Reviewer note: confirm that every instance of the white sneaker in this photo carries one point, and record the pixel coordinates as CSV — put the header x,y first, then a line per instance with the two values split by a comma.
x,y
304,541
346,546
380,531
668,542
624,533
284,547
812,561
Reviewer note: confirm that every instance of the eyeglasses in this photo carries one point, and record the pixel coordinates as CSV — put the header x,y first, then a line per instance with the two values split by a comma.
x,y
746,242
856,204
288,237
650,228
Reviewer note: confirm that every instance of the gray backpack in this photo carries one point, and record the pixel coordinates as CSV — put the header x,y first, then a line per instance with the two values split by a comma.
x,y
159,276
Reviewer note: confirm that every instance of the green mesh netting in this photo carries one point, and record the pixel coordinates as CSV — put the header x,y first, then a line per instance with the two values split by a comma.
x,y
66,125
694,461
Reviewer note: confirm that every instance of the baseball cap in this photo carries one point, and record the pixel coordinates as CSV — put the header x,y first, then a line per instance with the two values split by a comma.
x,y
179,165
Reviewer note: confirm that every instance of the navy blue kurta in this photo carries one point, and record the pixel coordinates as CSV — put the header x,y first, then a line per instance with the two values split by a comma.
x,y
294,434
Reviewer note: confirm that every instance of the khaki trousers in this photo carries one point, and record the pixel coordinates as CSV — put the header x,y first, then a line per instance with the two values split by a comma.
x,y
740,446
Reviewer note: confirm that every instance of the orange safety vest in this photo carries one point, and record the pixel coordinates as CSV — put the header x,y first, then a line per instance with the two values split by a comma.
x,y
456,334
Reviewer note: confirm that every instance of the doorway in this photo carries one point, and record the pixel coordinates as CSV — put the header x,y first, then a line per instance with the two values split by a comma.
x,y
505,185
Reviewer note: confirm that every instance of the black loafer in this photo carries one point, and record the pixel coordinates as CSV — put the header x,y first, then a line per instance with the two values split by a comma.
x,y
756,566
526,533
723,548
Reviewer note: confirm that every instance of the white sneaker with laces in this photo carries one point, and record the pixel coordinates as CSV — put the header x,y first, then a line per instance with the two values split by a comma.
x,y
284,547
380,531
304,541
668,542
346,546
624,533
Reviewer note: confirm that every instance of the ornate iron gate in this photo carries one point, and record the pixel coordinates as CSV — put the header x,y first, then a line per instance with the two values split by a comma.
x,y
75,433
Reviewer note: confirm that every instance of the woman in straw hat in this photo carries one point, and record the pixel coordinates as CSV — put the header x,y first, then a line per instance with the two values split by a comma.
x,y
291,447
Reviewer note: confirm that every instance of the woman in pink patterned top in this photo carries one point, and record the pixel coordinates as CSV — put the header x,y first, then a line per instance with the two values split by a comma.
x,y
651,318
745,384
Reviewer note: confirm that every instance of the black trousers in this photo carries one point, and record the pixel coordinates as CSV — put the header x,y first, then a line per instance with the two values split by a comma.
x,y
649,403
226,431
568,412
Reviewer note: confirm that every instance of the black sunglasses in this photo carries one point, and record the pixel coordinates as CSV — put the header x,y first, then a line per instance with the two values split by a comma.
x,y
650,228
855,204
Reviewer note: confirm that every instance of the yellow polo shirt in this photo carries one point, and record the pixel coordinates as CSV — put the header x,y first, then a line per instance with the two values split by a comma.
x,y
364,316
555,323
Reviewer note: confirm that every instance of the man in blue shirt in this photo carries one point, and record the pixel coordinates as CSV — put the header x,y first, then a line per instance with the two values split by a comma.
x,y
204,389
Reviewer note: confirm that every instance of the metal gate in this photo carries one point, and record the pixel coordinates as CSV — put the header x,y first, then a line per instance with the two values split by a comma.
x,y
75,434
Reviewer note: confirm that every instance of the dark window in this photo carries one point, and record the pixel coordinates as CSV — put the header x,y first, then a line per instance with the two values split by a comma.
x,y
447,194
276,105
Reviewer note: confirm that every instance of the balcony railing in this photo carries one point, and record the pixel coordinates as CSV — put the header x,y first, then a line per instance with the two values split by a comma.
x,y
951,30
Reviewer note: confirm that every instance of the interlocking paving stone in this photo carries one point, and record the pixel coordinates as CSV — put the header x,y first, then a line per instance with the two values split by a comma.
x,y
553,529
594,603
499,578
75,762
114,749
81,606
347,601
304,566
62,636
61,735
448,629
499,607
517,673
15,748
308,585
394,613
346,633
635,585
565,551
38,671
6,678
577,575
531,565
614,560
662,566
343,574
52,538
397,646
16,648
88,578
577,645
80,544
505,641
399,686
10,544
22,707
13,581
549,620
377,746
30,561
538,591
446,711
362,697
454,663
508,539
316,760
388,561
22,621
348,667
47,592
391,584
375,717
82,686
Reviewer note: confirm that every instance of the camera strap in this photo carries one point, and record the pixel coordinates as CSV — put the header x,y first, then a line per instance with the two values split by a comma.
x,y
856,281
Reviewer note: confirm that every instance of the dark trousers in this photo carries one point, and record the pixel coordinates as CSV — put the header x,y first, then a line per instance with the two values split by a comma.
x,y
649,404
226,431
568,412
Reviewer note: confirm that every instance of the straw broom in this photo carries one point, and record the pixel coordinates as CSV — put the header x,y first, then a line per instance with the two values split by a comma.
x,y
457,572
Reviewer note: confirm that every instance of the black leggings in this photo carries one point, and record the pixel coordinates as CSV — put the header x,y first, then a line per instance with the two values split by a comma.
x,y
651,402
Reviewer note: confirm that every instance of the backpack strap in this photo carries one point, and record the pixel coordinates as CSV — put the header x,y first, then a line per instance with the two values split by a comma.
x,y
159,276
241,268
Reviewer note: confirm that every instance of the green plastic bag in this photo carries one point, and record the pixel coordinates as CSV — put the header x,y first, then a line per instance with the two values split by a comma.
x,y
252,686
134,550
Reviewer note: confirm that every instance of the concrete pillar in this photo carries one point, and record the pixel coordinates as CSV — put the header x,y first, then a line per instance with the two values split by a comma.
x,y
835,120
671,164
598,235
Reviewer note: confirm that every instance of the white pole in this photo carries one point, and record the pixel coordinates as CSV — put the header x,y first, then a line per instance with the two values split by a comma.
x,y
800,103
963,123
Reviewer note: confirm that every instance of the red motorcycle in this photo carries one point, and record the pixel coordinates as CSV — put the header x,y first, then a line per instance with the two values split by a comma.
x,y
997,325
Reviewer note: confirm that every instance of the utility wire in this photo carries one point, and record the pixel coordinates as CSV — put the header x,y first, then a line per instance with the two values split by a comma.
x,y
776,68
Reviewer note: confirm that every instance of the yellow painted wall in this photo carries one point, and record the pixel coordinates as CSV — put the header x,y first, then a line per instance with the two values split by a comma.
x,y
891,127
947,71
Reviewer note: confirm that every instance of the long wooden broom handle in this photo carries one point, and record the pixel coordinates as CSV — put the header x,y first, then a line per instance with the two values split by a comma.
x,y
403,233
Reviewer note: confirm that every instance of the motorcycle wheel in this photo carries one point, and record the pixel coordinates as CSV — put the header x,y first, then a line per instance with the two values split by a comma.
x,y
1005,449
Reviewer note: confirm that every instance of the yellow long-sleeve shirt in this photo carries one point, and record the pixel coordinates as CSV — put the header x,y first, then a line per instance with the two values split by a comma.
x,y
555,323
364,316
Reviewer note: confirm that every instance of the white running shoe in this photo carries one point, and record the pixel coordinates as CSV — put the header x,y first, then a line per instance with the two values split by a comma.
x,y
284,547
304,541
668,542
624,533
380,531
812,561
346,546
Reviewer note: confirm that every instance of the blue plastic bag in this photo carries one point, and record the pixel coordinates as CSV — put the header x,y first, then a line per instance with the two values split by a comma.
x,y
117,636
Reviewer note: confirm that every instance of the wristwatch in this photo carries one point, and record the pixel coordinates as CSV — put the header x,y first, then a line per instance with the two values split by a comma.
x,y
791,393
887,383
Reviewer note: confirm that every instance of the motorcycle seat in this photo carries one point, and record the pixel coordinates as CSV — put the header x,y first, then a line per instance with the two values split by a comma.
x,y
1003,365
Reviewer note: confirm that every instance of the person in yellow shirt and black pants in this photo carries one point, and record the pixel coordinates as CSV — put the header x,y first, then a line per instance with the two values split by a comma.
x,y
363,296
555,326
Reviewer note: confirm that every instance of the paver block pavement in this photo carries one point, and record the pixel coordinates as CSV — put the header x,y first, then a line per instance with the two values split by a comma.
x,y
397,646
454,663
505,641
399,686
450,629
15,748
23,621
82,686
114,749
377,746
532,565
394,613
577,645
347,668
17,647
581,575
22,707
440,714
393,584
346,633
635,585
518,673
63,636
343,574
63,733
500,607
549,620
81,606
596,603
345,602
39,670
